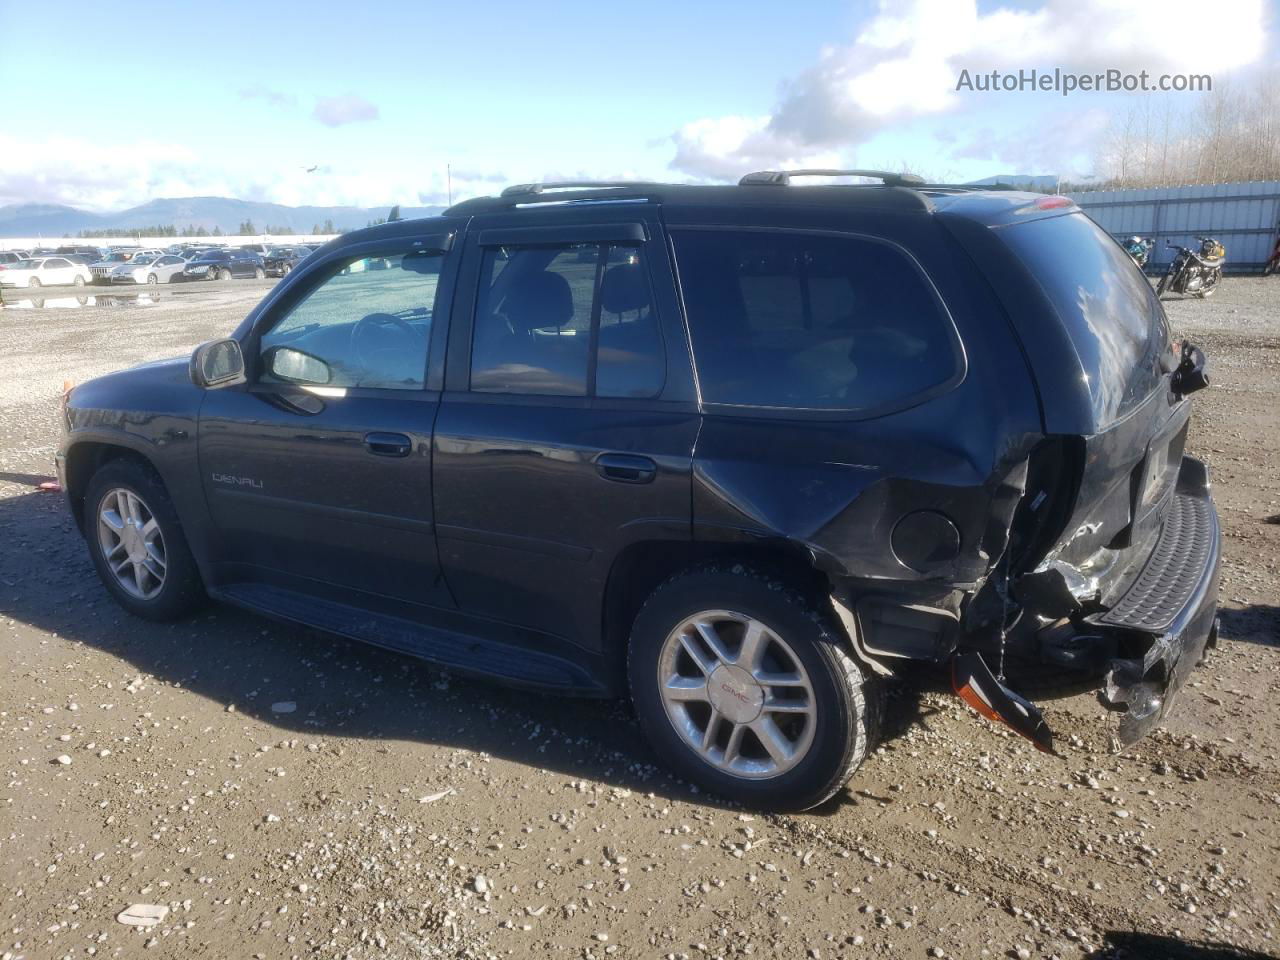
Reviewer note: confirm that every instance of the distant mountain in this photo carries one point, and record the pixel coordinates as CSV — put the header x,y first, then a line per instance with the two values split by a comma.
x,y
55,221
1036,183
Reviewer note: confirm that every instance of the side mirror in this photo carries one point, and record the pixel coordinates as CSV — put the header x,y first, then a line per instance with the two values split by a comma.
x,y
218,363
294,366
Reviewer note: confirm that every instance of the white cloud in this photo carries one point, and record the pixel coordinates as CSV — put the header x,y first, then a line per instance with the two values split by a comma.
x,y
103,177
905,60
337,111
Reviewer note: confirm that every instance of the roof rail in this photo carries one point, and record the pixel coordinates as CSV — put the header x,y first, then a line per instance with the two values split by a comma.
x,y
533,189
780,178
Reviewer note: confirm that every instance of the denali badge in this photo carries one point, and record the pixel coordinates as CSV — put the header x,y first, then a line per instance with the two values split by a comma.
x,y
237,481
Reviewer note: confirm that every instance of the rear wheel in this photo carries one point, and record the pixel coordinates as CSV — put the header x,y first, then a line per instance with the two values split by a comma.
x,y
137,543
743,688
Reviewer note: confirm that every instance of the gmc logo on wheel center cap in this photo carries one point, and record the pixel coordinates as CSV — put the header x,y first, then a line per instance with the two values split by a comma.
x,y
734,692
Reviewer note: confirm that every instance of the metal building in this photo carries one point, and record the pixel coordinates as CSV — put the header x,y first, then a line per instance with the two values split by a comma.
x,y
1244,216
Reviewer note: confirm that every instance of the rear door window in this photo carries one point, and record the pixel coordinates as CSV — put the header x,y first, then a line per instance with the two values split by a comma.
x,y
812,321
550,316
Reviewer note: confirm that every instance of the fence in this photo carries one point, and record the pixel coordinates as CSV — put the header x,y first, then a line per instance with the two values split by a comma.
x,y
1244,216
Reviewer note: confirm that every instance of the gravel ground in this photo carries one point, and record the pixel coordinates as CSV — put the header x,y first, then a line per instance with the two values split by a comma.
x,y
288,794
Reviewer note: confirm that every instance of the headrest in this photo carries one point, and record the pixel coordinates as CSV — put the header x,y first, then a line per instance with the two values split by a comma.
x,y
539,300
623,288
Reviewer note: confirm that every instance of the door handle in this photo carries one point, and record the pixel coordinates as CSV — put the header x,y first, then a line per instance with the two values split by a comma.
x,y
388,444
626,468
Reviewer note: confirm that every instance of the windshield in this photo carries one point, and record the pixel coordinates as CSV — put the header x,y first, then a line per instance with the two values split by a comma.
x,y
280,252
117,258
146,258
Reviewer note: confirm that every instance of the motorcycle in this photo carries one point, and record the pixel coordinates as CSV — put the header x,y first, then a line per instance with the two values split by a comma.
x,y
1273,262
1140,249
1195,272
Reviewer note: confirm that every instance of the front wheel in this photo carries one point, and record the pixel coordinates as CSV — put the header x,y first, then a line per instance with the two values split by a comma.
x,y
78,281
34,282
1162,285
137,544
259,273
744,688
224,274
152,279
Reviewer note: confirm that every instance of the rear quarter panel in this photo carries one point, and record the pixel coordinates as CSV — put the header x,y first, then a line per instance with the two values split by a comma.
x,y
838,486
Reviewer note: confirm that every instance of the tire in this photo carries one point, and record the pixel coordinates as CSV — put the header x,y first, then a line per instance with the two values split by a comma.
x,y
78,281
1160,287
152,279
34,282
181,590
284,271
224,274
843,706
211,274
259,273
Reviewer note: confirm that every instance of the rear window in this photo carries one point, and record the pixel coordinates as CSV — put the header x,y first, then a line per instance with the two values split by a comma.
x,y
1105,303
803,321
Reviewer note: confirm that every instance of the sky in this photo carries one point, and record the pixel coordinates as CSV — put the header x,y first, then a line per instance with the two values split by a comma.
x,y
371,104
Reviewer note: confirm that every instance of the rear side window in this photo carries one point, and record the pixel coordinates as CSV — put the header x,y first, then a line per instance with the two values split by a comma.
x,y
1105,303
808,321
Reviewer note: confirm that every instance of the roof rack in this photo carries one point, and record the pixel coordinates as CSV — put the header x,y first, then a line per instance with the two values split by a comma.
x,y
533,189
780,178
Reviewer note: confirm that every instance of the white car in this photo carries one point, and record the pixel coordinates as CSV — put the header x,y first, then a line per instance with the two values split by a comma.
x,y
145,268
44,272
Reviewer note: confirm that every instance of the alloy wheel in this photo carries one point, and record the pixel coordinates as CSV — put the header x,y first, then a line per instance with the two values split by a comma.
x,y
737,694
131,543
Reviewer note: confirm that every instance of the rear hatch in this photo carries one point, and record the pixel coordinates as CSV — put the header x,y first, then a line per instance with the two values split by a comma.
x,y
1098,342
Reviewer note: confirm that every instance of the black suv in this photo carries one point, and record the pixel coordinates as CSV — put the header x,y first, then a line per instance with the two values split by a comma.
x,y
223,265
743,452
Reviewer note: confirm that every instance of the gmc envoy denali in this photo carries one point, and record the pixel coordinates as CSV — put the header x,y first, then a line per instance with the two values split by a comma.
x,y
744,453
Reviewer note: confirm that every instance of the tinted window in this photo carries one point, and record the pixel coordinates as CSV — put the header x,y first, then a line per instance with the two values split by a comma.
x,y
55,264
631,361
536,313
1106,304
369,323
807,321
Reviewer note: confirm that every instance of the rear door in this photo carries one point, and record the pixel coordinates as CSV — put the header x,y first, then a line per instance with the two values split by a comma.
x,y
318,472
566,433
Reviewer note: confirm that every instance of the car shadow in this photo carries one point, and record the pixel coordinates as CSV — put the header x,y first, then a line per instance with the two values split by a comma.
x,y
342,689
1252,623
1132,945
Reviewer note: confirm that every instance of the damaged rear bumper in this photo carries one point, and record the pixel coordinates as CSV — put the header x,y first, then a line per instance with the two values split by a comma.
x,y
1168,615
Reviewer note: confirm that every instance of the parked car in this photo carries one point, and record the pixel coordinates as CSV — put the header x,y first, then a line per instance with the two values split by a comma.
x,y
223,265
13,256
43,272
873,429
152,270
94,253
105,269
279,261
86,259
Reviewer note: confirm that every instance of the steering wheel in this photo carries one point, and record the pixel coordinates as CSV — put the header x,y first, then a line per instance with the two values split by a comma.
x,y
367,330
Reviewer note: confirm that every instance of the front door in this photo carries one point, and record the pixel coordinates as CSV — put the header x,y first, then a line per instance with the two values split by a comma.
x,y
318,471
567,432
